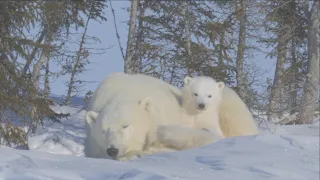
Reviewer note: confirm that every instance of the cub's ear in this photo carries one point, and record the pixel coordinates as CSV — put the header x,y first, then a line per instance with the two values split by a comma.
x,y
91,117
221,85
147,104
187,80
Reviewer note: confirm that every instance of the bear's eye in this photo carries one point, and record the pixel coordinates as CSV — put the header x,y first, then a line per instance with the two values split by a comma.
x,y
209,96
105,131
204,129
125,126
195,94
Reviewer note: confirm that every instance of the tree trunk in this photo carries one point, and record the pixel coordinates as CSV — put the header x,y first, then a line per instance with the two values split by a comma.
x,y
293,86
36,84
34,51
311,87
137,56
221,48
46,79
37,69
76,66
116,28
294,83
241,77
277,87
130,66
185,13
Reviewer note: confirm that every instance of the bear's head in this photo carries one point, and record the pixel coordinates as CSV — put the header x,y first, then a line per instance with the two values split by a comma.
x,y
121,127
201,93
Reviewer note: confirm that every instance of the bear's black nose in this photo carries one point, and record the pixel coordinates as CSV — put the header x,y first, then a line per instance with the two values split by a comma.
x,y
112,152
201,106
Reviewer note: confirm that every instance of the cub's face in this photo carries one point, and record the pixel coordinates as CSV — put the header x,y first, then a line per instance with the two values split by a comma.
x,y
204,92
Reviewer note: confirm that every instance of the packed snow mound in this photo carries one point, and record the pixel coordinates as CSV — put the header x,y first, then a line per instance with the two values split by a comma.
x,y
301,129
266,156
65,138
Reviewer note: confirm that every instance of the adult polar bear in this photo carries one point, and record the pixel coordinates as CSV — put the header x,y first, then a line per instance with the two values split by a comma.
x,y
108,88
115,105
129,125
118,81
235,119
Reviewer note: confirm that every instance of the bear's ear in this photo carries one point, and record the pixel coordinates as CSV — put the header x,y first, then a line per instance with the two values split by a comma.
x,y
146,103
187,80
91,117
221,85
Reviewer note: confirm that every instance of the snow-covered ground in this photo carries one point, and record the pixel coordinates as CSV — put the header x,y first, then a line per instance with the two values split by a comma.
x,y
56,153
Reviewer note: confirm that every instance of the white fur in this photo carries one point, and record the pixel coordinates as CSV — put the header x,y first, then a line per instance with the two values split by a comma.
x,y
180,138
122,125
165,110
90,141
117,106
107,88
235,119
204,91
137,85
201,90
118,81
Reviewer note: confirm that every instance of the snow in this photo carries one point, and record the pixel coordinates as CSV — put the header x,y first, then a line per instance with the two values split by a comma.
x,y
56,153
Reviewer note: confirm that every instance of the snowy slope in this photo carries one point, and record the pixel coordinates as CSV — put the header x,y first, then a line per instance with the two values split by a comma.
x,y
290,153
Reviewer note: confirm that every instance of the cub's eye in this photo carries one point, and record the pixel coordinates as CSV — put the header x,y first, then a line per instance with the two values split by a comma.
x,y
195,94
209,96
125,126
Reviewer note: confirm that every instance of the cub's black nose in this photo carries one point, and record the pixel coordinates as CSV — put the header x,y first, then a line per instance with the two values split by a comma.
x,y
112,152
201,106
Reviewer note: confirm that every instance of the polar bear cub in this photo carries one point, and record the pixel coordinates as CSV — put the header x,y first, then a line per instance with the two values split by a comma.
x,y
235,119
201,97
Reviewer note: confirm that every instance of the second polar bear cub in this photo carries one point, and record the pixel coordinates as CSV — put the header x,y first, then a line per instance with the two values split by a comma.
x,y
201,97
